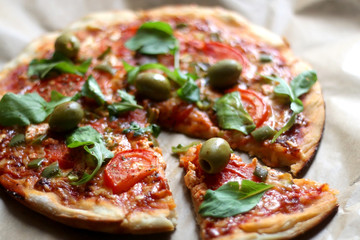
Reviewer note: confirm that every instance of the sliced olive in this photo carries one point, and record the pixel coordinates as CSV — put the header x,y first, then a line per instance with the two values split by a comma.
x,y
261,172
67,44
17,140
153,85
36,163
214,155
52,170
66,116
224,74
263,133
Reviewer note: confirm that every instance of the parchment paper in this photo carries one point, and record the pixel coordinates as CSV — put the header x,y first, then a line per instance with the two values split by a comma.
x,y
324,33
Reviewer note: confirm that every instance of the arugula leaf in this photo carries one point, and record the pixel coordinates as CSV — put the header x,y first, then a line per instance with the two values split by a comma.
x,y
92,90
232,115
138,131
94,144
303,82
300,85
126,104
189,91
58,62
182,149
229,200
153,38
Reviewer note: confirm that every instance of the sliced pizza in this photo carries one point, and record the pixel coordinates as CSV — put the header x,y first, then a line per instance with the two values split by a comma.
x,y
268,204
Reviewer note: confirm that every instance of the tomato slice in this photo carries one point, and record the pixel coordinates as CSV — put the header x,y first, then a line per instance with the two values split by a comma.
x,y
128,168
254,104
217,51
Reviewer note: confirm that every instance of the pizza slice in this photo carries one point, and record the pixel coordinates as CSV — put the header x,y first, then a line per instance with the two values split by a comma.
x,y
268,205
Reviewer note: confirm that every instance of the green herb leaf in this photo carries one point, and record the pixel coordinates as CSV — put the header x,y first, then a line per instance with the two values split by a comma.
x,y
182,149
189,92
303,82
105,53
58,63
229,200
232,115
94,144
286,127
105,68
153,38
17,140
126,104
22,110
138,131
92,90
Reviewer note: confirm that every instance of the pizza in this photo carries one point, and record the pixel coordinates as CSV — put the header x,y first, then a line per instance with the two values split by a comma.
x,y
80,111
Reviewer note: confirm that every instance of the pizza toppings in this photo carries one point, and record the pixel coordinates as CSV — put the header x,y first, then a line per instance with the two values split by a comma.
x,y
127,103
52,170
231,114
224,74
214,155
153,85
138,131
66,116
67,44
128,168
230,200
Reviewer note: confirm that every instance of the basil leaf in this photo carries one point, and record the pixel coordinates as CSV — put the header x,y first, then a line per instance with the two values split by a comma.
x,y
229,200
286,127
88,136
182,149
126,104
82,136
303,82
189,91
92,90
153,38
232,115
59,63
282,89
138,131
23,109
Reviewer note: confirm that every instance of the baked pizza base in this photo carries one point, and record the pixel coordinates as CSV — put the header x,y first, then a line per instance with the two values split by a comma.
x,y
104,216
277,225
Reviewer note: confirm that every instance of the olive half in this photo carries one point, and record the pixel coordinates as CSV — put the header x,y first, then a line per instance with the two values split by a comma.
x,y
67,44
224,74
66,116
214,155
153,85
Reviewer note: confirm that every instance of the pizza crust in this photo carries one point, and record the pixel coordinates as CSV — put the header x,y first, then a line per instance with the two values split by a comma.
x,y
106,217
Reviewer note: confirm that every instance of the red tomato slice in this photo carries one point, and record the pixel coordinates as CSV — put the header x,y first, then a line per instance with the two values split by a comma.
x,y
254,105
217,51
128,168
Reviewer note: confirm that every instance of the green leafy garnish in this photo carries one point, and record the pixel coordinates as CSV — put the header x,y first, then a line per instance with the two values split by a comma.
x,y
104,53
153,38
58,63
17,140
229,200
182,149
189,92
94,144
22,110
91,90
126,104
298,86
232,115
138,131
105,68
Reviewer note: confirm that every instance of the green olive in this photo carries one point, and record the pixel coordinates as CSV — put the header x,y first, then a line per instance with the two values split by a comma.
x,y
67,44
153,85
66,116
214,155
224,74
